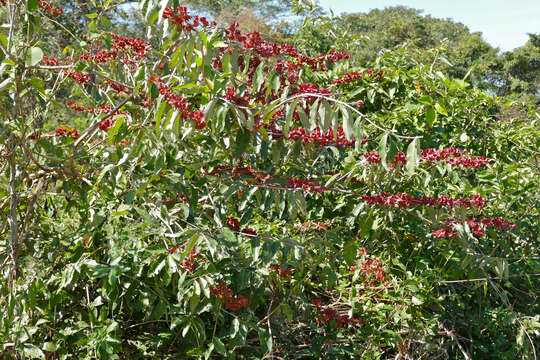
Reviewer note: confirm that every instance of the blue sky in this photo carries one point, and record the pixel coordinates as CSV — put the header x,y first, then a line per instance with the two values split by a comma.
x,y
503,23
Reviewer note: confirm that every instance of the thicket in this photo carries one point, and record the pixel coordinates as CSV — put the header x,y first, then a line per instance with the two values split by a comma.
x,y
208,193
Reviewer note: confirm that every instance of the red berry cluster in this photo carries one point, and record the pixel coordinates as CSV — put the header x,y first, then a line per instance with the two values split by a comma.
x,y
50,8
330,315
317,225
105,125
187,263
316,136
234,224
102,56
172,200
118,87
404,201
440,154
281,271
137,47
451,156
476,226
183,21
372,157
50,61
371,267
443,233
349,77
66,131
225,295
103,109
307,186
180,103
198,118
79,77
469,161
230,95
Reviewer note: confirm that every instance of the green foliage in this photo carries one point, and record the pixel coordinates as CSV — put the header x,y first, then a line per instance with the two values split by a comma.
x,y
184,219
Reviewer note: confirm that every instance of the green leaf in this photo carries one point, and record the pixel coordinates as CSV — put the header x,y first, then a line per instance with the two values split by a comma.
x,y
32,5
3,40
431,116
33,352
258,79
34,56
219,346
242,141
92,16
413,156
383,149
348,126
440,109
119,120
426,99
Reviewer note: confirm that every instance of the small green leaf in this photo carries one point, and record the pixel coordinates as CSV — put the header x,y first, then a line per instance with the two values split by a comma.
x,y
413,156
383,149
32,5
219,346
440,109
34,56
426,99
431,116
92,16
348,126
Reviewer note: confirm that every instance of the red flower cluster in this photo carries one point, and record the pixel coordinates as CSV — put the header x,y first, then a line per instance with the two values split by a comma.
x,y
79,77
317,137
225,295
184,21
348,77
403,201
317,225
476,226
50,8
281,271
328,314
